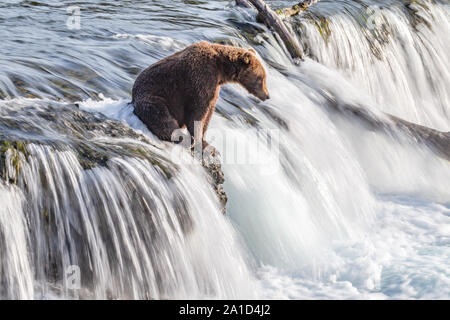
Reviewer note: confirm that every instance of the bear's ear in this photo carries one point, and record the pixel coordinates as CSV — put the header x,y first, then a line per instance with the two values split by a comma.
x,y
247,57
252,50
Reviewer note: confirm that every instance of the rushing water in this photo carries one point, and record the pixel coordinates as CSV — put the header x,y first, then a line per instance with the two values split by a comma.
x,y
335,210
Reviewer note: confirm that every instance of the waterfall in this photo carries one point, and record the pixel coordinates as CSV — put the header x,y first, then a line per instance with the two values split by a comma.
x,y
131,228
92,205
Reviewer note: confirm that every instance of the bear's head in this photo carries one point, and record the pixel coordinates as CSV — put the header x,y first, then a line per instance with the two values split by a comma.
x,y
252,75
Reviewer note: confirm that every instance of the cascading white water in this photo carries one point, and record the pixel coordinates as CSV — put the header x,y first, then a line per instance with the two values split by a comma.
x,y
15,269
346,228
336,211
132,231
399,58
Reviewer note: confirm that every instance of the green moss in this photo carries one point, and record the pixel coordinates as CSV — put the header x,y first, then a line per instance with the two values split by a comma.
x,y
21,147
4,146
17,148
324,28
46,217
96,154
146,154
164,169
91,156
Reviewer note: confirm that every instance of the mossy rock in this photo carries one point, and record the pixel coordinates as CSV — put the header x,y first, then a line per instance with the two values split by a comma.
x,y
93,138
66,127
323,26
14,152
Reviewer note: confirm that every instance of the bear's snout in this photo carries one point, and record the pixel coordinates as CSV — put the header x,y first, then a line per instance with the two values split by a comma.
x,y
262,95
265,97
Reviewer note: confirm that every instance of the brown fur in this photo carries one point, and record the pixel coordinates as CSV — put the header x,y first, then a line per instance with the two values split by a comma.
x,y
184,87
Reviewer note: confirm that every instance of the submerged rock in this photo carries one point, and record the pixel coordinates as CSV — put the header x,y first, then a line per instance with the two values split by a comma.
x,y
93,137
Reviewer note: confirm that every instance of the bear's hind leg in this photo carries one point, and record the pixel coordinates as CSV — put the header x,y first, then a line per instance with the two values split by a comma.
x,y
207,118
197,129
157,118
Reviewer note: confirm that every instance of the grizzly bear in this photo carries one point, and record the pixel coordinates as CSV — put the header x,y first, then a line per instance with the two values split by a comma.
x,y
183,88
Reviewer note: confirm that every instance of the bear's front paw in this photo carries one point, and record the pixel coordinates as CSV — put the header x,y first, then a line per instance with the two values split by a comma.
x,y
209,150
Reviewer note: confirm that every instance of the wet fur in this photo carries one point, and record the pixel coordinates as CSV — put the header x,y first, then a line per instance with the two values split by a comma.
x,y
184,87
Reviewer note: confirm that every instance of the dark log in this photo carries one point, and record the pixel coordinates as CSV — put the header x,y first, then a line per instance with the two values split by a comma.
x,y
272,20
244,3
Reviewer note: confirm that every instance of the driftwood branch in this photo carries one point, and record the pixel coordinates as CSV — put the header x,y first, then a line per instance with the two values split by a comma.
x,y
272,20
301,6
244,3
296,9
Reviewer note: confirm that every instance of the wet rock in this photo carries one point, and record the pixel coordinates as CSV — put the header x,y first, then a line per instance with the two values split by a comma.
x,y
12,153
217,178
92,137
